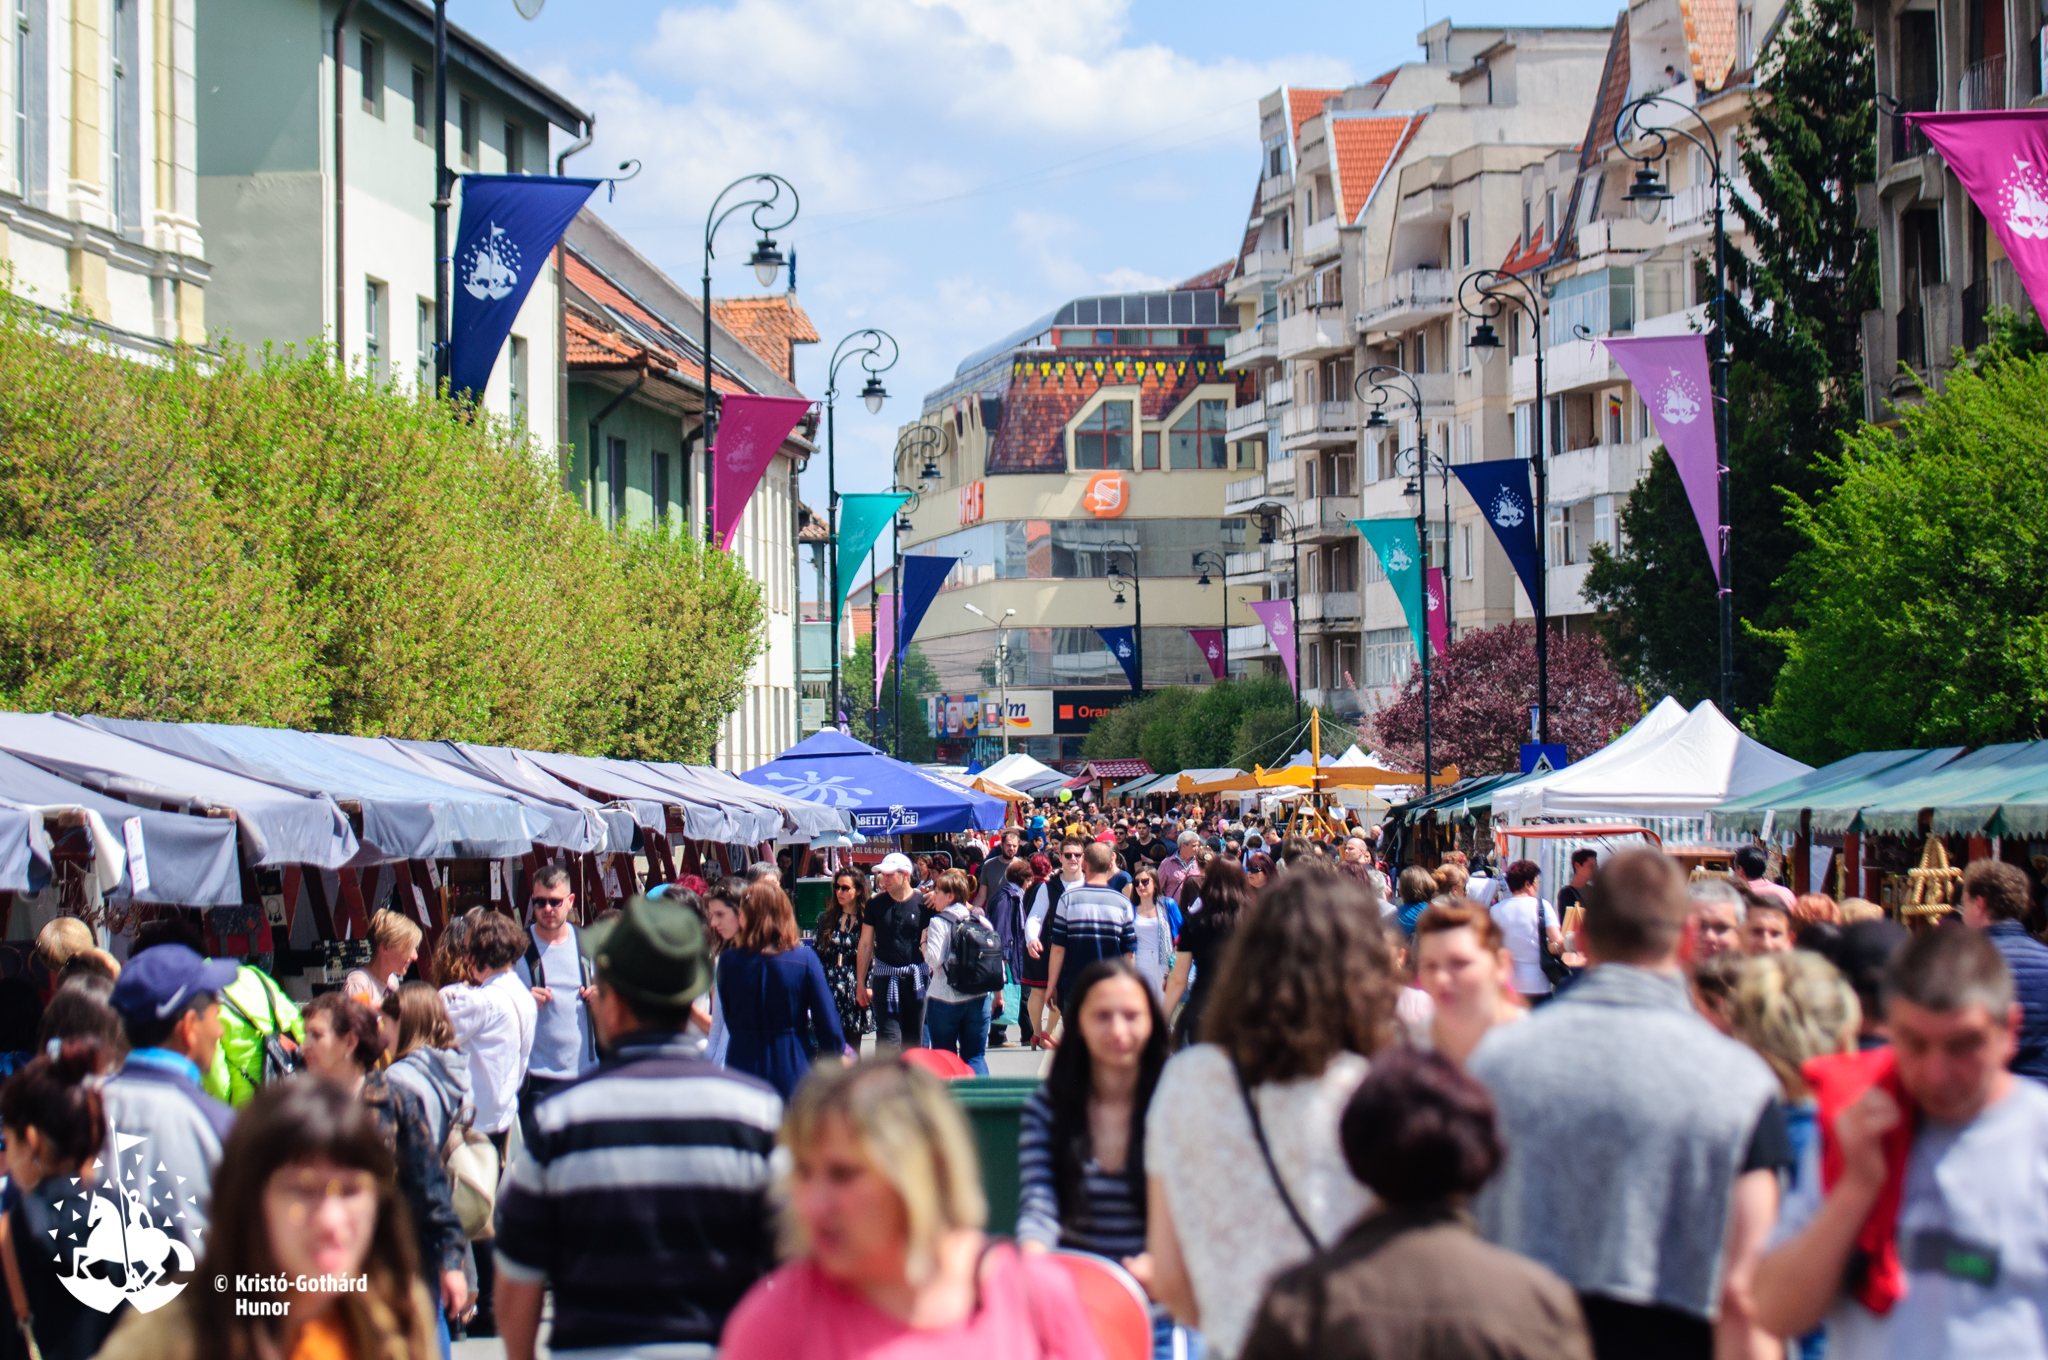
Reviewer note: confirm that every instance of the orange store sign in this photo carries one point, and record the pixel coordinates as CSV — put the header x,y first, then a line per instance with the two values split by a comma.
x,y
971,502
1107,495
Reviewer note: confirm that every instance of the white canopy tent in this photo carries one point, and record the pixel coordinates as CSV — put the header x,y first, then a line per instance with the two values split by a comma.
x,y
1671,764
1021,772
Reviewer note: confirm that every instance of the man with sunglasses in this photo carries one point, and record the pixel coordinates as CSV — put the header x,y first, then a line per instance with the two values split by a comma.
x,y
560,977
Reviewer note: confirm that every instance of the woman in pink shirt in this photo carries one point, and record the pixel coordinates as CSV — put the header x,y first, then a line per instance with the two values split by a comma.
x,y
884,1213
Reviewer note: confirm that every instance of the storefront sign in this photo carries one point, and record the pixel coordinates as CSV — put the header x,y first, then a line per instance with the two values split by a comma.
x,y
1030,713
972,498
1075,710
1107,495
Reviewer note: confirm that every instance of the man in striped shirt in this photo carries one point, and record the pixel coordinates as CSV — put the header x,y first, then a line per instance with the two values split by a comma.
x,y
1094,922
643,1199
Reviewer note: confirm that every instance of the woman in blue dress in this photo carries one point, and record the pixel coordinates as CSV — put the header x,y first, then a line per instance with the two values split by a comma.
x,y
773,994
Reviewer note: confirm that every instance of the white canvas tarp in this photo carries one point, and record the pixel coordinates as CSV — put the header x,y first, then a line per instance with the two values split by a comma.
x,y
1024,774
186,861
1671,764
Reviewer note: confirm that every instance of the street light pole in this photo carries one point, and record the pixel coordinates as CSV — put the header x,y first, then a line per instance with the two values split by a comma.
x,y
1002,667
874,394
441,188
1109,551
1383,379
1492,286
899,525
767,262
1648,195
1269,515
1206,561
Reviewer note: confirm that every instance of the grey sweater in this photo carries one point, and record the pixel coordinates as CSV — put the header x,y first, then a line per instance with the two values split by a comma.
x,y
164,1139
1627,1118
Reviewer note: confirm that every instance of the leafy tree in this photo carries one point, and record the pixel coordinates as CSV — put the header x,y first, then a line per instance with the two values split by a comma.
x,y
1920,609
1119,733
1481,691
1166,717
1208,736
277,543
1795,381
857,682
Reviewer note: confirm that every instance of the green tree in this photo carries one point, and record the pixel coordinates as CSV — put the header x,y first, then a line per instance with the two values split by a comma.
x,y
1119,734
1920,609
920,677
1795,381
1208,736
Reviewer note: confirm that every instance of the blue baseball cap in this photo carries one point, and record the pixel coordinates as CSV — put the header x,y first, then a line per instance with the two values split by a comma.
x,y
158,982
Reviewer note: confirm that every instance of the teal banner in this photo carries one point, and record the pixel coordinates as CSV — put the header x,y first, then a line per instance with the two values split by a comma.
x,y
861,521
1394,543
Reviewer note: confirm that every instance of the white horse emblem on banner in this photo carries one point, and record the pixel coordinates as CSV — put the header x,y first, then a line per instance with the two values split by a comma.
x,y
492,270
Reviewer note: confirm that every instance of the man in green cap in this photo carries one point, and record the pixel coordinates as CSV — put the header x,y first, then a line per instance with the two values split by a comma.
x,y
643,1199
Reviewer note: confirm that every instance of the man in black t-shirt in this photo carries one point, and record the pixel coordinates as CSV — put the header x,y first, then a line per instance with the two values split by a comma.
x,y
891,959
1585,863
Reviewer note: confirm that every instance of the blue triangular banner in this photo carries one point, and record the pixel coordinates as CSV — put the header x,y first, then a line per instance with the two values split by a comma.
x,y
1123,645
510,224
1501,491
921,579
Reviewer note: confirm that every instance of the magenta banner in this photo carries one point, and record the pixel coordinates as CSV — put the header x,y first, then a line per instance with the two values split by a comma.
x,y
1278,616
750,430
885,638
2001,156
1670,375
1435,592
1209,641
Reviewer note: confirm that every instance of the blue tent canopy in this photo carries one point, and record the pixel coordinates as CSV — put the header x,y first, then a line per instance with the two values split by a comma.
x,y
885,796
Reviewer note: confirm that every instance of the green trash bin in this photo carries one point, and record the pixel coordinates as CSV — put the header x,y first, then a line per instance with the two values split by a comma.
x,y
811,896
995,1107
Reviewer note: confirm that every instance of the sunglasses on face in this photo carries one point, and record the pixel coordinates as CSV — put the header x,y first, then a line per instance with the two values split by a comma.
x,y
538,902
844,887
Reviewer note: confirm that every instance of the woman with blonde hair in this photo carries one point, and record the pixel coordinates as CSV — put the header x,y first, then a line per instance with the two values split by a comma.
x,y
883,1223
773,994
396,940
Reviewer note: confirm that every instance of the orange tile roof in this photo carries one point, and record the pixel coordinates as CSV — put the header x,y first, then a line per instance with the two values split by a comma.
x,y
1519,259
594,342
1365,147
771,326
1709,40
1303,105
1613,94
1208,278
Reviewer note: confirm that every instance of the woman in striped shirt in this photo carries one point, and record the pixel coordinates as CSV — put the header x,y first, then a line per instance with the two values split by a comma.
x,y
1080,1150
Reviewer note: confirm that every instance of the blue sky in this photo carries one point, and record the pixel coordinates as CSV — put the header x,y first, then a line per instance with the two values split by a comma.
x,y
965,165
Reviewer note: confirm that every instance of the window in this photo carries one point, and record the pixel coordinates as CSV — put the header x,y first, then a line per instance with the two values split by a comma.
x,y
425,337
1465,238
420,99
1745,39
1465,442
1465,552
1103,438
1527,208
663,464
615,479
1151,455
1248,452
1276,157
126,185
1603,522
370,56
466,114
24,66
374,333
1286,233
1616,419
515,150
1550,215
1561,537
1389,655
518,369
1422,351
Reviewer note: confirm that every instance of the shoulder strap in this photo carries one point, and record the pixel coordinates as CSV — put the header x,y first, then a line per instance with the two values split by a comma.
x,y
1251,1110
535,970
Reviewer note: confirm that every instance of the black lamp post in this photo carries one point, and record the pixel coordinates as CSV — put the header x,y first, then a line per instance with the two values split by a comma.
x,y
899,525
767,262
1497,290
869,348
1383,381
1119,581
1272,516
1209,561
1648,195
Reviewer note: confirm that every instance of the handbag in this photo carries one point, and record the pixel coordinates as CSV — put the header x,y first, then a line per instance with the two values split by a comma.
x,y
1555,970
472,1162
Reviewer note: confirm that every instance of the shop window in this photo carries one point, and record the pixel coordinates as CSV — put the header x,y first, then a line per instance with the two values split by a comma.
x,y
1103,438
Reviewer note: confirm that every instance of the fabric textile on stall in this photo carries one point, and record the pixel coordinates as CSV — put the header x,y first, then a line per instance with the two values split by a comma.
x,y
188,861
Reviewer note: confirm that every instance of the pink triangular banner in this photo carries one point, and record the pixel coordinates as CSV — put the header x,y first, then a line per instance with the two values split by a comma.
x,y
1209,642
1278,616
885,638
2001,156
1434,593
750,430
1671,376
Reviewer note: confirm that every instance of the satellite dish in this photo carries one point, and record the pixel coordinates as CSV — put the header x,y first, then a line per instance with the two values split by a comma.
x,y
528,9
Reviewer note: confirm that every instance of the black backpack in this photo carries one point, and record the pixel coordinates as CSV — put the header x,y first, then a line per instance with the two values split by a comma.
x,y
975,963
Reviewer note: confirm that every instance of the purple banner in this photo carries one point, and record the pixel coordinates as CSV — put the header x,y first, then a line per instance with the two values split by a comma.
x,y
1435,593
750,430
2001,156
1209,641
1278,616
1670,375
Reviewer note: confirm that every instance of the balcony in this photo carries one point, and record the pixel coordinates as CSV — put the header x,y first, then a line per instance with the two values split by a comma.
x,y
1279,392
1330,609
1249,563
1242,494
1326,424
1325,517
1262,269
1407,299
1607,309
1249,641
1280,472
1425,205
1313,335
1319,240
1253,348
1275,190
1437,392
1244,419
1982,86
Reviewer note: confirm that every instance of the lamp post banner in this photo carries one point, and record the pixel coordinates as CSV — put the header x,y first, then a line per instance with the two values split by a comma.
x,y
510,224
2001,156
862,517
750,430
1393,542
921,579
1671,374
885,638
1501,490
1439,616
1209,641
1122,645
1278,616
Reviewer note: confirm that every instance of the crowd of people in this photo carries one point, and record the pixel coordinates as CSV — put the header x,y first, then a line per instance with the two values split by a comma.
x,y
1303,1102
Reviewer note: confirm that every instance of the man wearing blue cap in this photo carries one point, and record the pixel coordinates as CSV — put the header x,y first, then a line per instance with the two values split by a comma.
x,y
164,1133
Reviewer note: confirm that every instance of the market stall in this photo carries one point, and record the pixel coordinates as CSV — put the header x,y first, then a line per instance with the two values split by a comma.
x,y
884,796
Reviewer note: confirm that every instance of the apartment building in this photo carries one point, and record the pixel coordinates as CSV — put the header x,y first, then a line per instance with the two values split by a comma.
x,y
315,147
1374,203
99,201
634,457
1081,468
1943,270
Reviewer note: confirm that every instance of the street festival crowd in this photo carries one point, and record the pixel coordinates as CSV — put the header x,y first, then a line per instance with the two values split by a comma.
x,y
1313,1105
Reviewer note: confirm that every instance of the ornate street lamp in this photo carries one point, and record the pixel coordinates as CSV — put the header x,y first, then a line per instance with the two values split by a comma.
x,y
868,345
767,261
